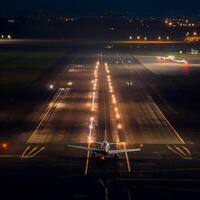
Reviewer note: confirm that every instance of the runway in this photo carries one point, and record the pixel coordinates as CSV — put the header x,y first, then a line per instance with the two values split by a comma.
x,y
116,98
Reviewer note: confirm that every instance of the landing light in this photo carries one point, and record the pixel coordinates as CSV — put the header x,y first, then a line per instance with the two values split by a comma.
x,y
69,83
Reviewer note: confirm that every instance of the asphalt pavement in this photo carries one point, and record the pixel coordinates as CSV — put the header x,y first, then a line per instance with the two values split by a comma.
x,y
115,93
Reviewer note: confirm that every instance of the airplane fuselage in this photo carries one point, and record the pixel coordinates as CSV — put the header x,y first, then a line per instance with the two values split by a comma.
x,y
105,146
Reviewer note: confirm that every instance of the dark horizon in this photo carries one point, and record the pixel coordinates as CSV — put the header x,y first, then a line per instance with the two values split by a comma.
x,y
100,7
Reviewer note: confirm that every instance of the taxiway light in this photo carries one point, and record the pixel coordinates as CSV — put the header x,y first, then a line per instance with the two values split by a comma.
x,y
51,86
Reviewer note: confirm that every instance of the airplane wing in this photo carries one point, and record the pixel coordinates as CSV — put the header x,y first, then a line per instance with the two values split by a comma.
x,y
98,142
117,151
113,143
110,143
85,148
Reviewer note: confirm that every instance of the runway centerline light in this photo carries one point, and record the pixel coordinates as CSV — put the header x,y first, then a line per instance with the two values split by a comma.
x,y
119,126
90,126
117,116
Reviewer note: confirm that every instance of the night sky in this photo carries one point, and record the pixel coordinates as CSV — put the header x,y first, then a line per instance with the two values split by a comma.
x,y
97,7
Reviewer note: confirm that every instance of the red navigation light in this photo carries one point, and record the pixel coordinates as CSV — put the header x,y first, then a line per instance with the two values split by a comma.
x,y
186,62
4,146
141,145
102,157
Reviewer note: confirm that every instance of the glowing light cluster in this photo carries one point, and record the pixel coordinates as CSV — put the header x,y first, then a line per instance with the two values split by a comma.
x,y
113,97
94,87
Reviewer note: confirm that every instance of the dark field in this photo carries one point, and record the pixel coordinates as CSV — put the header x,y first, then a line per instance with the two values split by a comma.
x,y
20,68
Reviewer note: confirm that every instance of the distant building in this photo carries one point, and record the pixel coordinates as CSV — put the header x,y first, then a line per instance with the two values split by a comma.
x,y
194,52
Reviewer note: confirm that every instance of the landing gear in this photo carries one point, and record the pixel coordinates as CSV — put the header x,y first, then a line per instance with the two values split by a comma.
x,y
93,155
115,156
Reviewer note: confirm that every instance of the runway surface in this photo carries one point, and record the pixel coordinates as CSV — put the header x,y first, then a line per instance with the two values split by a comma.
x,y
112,89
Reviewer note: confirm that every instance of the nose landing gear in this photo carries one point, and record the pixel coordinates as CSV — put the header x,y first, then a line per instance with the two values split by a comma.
x,y
93,155
115,156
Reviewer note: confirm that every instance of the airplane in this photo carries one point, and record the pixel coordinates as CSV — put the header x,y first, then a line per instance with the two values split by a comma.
x,y
105,149
181,61
171,59
108,46
165,58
